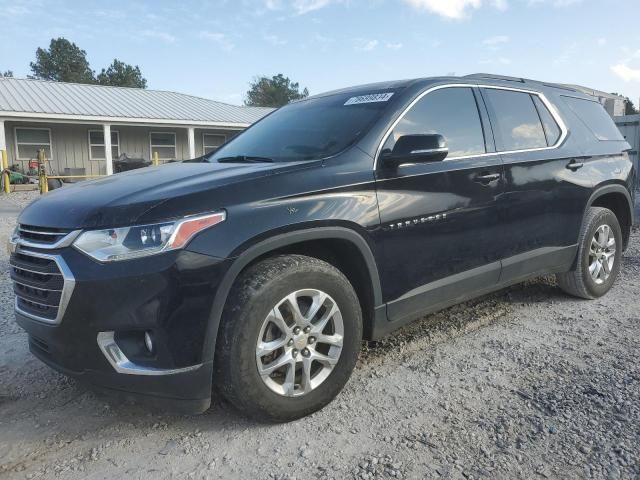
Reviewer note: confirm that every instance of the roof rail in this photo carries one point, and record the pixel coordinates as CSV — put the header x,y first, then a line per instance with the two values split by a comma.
x,y
561,86
489,76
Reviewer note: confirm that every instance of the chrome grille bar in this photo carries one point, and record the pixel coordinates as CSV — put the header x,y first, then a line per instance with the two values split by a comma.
x,y
25,304
44,238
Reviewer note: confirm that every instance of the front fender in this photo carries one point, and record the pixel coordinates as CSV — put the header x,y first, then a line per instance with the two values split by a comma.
x,y
273,243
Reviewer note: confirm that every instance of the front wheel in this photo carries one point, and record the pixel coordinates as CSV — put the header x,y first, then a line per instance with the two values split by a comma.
x,y
289,338
599,256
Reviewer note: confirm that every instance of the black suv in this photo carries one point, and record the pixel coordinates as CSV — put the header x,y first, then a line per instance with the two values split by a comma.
x,y
259,269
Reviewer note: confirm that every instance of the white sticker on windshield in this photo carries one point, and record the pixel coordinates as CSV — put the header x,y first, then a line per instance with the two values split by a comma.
x,y
371,98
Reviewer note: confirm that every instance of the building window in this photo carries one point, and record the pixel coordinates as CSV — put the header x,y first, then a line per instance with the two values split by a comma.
x,y
96,144
30,140
164,143
211,142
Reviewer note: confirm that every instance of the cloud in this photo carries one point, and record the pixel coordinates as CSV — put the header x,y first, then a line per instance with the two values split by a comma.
x,y
555,3
299,7
496,40
394,46
274,40
566,54
302,7
602,42
453,9
323,39
496,61
14,10
221,39
460,9
626,73
273,4
366,45
526,131
159,35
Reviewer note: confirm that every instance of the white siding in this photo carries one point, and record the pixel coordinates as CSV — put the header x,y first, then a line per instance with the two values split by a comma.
x,y
70,144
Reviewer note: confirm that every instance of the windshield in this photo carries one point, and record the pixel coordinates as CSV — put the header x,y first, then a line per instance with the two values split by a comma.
x,y
308,130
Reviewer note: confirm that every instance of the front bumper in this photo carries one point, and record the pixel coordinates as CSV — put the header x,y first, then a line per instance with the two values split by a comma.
x,y
98,337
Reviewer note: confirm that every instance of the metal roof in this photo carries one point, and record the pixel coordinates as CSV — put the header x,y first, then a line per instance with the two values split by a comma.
x,y
39,99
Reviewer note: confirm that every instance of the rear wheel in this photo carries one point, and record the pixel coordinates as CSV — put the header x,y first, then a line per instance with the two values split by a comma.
x,y
599,256
289,339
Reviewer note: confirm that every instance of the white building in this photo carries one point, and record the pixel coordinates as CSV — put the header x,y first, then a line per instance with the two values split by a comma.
x,y
84,128
615,105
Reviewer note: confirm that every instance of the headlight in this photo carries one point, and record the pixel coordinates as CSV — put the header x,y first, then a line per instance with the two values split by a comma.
x,y
12,241
113,244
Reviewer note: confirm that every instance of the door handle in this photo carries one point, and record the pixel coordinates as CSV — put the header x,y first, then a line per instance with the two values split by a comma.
x,y
573,165
487,178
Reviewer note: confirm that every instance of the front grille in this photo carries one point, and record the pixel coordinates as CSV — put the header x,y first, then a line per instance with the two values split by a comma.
x,y
39,284
44,237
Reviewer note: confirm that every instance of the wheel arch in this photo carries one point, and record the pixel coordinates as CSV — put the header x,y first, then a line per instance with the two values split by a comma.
x,y
291,242
617,199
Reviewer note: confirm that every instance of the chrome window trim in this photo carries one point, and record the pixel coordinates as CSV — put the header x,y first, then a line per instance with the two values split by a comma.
x,y
68,286
429,150
121,364
552,110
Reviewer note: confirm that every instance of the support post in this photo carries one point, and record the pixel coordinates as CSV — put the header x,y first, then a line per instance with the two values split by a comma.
x,y
191,140
42,172
6,178
4,163
107,149
3,138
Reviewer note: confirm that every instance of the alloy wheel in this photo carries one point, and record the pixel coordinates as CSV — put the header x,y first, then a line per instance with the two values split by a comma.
x,y
602,253
300,342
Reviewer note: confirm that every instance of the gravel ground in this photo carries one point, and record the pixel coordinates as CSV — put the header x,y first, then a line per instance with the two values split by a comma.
x,y
525,383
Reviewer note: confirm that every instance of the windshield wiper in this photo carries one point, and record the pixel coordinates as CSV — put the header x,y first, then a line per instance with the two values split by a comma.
x,y
244,159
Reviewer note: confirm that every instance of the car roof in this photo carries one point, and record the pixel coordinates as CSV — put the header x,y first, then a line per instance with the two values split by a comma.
x,y
476,78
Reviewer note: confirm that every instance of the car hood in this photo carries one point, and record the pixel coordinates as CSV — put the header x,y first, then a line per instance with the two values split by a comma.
x,y
147,194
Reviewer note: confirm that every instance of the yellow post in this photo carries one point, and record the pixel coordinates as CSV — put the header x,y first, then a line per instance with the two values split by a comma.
x,y
42,172
5,173
155,159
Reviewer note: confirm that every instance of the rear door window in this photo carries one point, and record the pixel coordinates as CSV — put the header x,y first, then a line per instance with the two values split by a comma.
x,y
515,120
595,117
450,112
551,128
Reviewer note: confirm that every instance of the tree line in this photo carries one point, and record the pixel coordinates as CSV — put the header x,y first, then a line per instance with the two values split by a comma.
x,y
64,61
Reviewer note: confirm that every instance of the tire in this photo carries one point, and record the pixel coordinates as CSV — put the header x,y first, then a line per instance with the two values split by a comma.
x,y
580,282
54,183
252,302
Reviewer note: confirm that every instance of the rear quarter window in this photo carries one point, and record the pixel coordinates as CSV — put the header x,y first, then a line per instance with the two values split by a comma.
x,y
551,128
595,117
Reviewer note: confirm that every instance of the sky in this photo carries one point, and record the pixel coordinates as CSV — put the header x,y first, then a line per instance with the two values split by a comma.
x,y
214,49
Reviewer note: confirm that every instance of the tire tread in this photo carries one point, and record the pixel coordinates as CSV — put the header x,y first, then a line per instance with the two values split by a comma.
x,y
253,280
572,282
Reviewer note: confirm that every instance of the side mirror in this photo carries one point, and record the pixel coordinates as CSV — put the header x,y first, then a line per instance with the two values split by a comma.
x,y
418,149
